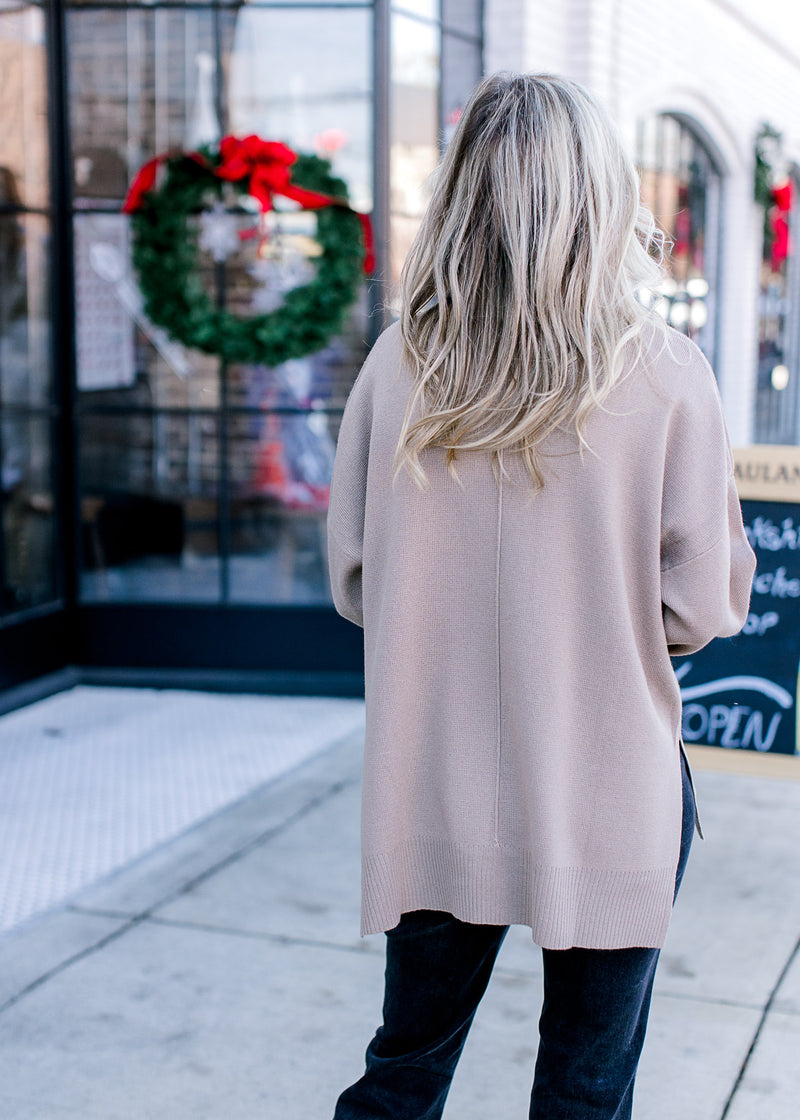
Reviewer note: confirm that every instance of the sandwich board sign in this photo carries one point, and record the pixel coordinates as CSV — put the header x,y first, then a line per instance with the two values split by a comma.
x,y
742,692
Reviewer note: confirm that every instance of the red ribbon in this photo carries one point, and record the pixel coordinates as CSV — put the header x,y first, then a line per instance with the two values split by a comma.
x,y
782,195
266,164
146,179
782,198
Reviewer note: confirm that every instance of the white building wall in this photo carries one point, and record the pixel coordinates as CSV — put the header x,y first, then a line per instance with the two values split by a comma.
x,y
724,65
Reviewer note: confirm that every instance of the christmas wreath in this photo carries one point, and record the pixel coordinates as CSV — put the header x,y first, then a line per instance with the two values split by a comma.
x,y
166,248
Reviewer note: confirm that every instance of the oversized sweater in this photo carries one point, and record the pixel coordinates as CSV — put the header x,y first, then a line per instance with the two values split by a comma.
x,y
522,714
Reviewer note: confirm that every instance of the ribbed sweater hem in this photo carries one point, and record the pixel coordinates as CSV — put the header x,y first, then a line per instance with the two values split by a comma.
x,y
592,908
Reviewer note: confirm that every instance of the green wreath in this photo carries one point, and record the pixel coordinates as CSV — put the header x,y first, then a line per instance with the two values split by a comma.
x,y
165,254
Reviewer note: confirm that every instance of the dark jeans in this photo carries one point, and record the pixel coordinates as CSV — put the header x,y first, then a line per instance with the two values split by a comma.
x,y
591,1030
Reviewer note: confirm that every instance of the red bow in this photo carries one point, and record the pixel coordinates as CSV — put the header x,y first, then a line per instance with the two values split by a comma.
x,y
782,197
266,164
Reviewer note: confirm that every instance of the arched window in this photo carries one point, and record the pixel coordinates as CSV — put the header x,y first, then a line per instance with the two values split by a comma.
x,y
777,402
681,185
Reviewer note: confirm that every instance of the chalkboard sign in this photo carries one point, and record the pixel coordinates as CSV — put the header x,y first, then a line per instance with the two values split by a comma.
x,y
743,692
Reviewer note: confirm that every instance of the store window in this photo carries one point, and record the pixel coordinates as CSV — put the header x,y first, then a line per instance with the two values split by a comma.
x,y
28,416
435,62
204,481
777,402
681,185
146,475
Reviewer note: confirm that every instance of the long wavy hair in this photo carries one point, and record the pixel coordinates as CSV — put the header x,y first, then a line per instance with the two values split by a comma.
x,y
519,293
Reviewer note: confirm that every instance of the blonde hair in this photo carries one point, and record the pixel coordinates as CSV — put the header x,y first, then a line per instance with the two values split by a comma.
x,y
519,292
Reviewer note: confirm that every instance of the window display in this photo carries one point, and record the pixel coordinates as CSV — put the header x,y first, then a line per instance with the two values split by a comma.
x,y
195,475
681,186
154,398
777,395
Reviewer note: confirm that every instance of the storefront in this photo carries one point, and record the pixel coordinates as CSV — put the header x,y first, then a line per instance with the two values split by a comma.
x,y
164,508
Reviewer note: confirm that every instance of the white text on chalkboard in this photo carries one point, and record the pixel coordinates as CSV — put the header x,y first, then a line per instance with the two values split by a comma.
x,y
761,623
735,726
762,532
776,584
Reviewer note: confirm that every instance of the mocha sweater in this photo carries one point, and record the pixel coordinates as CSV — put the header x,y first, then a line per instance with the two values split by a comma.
x,y
523,718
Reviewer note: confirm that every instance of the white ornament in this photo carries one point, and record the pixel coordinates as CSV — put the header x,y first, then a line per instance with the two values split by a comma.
x,y
218,232
276,275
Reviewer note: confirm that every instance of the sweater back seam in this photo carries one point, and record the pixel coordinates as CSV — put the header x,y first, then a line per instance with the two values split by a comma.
x,y
499,726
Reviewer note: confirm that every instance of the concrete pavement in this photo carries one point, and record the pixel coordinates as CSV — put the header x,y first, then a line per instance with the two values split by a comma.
x,y
221,976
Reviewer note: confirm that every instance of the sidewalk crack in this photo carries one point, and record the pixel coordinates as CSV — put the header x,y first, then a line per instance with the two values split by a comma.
x,y
764,1015
62,966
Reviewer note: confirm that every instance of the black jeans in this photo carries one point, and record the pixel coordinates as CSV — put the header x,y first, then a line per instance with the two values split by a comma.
x,y
591,1030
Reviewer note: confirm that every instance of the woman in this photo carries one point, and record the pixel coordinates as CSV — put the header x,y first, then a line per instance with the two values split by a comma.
x,y
533,507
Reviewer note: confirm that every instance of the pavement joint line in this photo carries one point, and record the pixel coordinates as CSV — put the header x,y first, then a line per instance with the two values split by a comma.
x,y
764,1015
62,966
362,948
746,1005
100,912
711,1001
250,845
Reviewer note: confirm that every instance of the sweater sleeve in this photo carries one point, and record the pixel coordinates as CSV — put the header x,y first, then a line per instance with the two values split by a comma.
x,y
348,500
707,565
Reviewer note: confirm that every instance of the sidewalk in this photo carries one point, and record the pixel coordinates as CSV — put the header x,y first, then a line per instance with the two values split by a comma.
x,y
221,976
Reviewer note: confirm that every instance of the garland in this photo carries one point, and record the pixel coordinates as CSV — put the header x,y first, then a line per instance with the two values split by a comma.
x,y
165,249
767,140
764,172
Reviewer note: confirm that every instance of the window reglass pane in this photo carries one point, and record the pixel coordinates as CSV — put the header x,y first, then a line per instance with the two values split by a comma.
x,y
28,512
777,398
281,473
24,165
149,507
414,129
461,71
25,374
463,15
304,77
122,357
321,380
427,9
141,82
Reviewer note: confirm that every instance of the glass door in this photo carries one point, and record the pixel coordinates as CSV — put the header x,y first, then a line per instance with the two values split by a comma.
x,y
30,591
203,482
